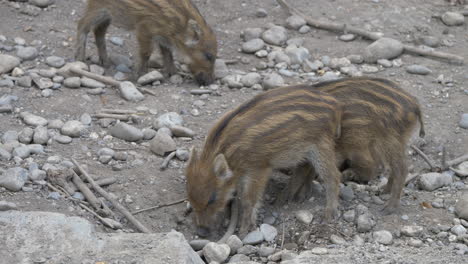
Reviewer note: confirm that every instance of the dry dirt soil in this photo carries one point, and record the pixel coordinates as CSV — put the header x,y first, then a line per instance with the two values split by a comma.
x,y
141,184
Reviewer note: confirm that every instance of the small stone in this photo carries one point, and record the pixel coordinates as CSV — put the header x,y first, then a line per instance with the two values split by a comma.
x,y
433,180
55,124
8,63
319,251
41,135
180,131
266,251
464,121
347,37
295,22
90,83
269,232
369,69
329,76
261,12
411,231
117,59
46,93
347,193
176,79
6,206
355,59
304,216
72,82
129,92
252,33
234,243
37,175
415,242
276,35
24,81
54,196
168,120
4,155
121,155
148,133
126,132
17,72
364,223
6,83
385,63
383,237
253,45
86,119
297,55
106,152
383,48
336,63
349,216
117,41
304,29
73,128
55,61
239,259
418,69
250,79
358,241
198,244
253,238
27,53
247,250
9,136
13,179
233,81
216,252
79,196
22,152
337,240
41,3
33,120
121,70
272,80
150,78
182,154
461,207
453,19
162,144
104,159
458,230
63,139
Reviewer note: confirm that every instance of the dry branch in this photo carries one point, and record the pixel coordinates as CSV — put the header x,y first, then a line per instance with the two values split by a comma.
x,y
116,204
113,116
367,34
411,177
457,161
167,160
119,111
160,206
87,193
424,156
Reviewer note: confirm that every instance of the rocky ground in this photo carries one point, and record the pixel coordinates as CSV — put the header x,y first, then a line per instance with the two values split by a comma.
x,y
122,135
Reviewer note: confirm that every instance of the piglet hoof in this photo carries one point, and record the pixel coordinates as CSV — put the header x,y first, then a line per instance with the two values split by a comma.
x,y
331,215
390,209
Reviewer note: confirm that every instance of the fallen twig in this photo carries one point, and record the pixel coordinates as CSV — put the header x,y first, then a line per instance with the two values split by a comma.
x,y
166,160
457,161
336,229
282,236
87,193
159,206
367,34
118,111
424,156
411,177
116,204
148,91
113,116
459,172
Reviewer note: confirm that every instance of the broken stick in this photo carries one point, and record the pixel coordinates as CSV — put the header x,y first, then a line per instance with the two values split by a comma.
x,y
159,206
367,34
424,156
457,161
167,160
116,204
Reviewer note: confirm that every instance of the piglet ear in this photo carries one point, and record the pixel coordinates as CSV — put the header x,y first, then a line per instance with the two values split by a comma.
x,y
221,168
194,33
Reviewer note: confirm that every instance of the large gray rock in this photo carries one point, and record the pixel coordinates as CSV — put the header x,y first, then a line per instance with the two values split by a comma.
x,y
13,179
8,63
383,48
55,238
126,132
433,180
453,19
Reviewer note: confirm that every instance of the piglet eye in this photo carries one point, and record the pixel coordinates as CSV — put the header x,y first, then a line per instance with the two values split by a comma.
x,y
209,56
212,198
